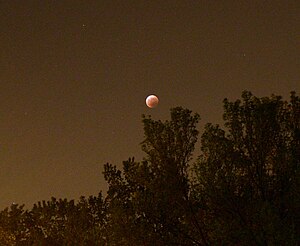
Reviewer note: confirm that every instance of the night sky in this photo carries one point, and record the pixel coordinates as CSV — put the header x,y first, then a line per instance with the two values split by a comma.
x,y
74,76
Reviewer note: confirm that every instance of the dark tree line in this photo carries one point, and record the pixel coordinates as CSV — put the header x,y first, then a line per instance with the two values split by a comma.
x,y
55,222
241,190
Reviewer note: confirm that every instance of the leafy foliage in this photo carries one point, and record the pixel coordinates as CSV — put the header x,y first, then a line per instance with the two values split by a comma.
x,y
242,189
248,176
150,200
56,222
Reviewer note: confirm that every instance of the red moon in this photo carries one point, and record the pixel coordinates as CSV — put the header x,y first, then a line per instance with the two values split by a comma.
x,y
152,101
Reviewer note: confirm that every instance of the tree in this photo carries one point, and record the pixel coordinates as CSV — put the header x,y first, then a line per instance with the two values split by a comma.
x,y
149,202
248,176
55,222
62,222
13,224
242,190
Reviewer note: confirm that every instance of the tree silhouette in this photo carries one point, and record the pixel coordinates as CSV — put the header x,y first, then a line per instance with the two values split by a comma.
x,y
247,176
149,201
241,190
56,222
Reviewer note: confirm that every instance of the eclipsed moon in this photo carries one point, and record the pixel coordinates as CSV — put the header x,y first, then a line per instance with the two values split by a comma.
x,y
152,101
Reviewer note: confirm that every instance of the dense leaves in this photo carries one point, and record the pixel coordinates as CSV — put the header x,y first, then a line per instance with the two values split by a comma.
x,y
55,222
241,190
150,200
247,176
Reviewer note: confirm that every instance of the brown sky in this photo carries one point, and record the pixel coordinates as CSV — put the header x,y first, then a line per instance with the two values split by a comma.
x,y
74,76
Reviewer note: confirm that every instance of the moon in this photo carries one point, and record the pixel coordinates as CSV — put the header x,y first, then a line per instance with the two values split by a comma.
x,y
152,101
